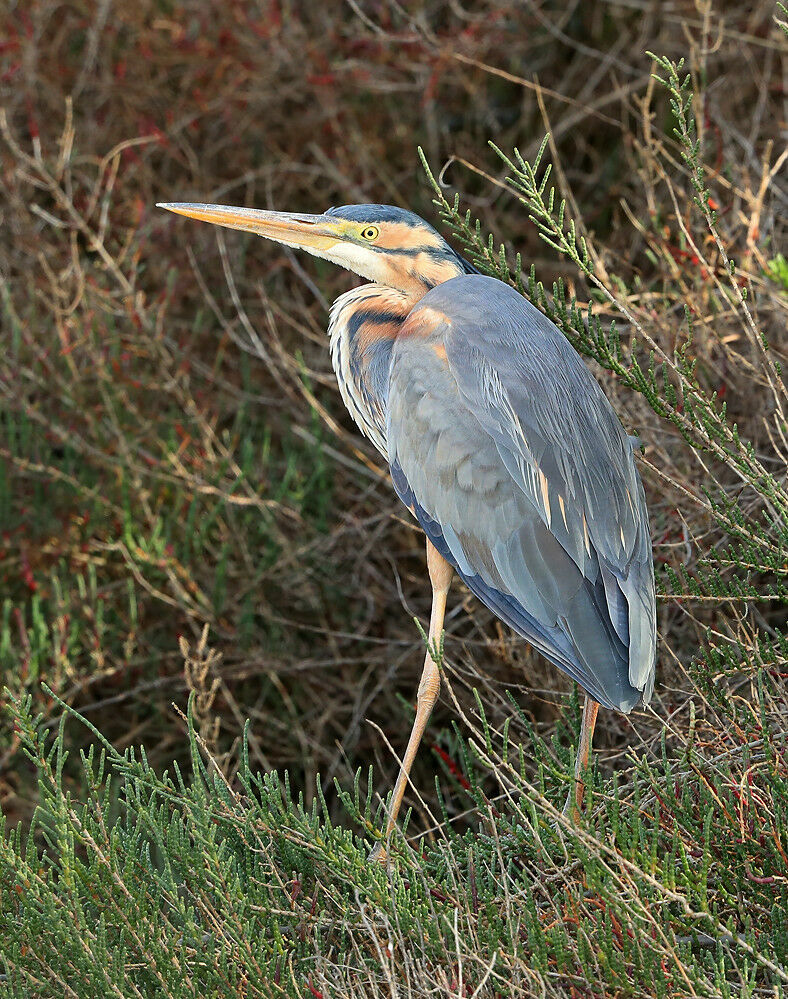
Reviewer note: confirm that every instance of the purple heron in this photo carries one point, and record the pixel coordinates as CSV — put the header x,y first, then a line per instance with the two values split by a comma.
x,y
501,444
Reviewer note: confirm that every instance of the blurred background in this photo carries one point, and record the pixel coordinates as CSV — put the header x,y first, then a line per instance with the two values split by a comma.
x,y
173,448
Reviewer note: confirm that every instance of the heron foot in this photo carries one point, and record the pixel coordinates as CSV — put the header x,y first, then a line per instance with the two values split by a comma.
x,y
572,807
378,854
574,802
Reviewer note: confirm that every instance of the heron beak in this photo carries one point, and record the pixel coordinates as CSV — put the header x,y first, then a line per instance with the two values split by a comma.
x,y
317,233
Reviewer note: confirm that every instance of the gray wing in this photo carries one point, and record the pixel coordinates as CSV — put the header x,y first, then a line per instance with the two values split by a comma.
x,y
505,448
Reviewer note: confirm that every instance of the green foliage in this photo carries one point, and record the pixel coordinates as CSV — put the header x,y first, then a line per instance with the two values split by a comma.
x,y
132,503
782,22
777,269
138,882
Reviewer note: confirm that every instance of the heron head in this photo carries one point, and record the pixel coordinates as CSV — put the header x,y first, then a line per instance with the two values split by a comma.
x,y
384,244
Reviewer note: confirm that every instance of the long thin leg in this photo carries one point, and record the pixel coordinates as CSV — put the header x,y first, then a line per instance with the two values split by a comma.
x,y
440,577
575,800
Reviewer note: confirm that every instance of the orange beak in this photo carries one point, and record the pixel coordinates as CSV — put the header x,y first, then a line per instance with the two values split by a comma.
x,y
317,233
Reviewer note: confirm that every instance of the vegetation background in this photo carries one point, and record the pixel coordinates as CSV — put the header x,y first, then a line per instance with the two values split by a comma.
x,y
174,453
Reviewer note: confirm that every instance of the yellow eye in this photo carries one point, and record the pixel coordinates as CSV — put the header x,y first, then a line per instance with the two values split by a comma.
x,y
369,232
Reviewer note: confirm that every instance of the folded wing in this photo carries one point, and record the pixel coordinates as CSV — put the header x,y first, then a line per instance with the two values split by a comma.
x,y
505,448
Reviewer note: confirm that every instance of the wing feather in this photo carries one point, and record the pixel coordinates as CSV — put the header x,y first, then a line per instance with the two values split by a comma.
x,y
520,472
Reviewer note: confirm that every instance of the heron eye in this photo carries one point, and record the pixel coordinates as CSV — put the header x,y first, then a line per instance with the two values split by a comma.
x,y
369,232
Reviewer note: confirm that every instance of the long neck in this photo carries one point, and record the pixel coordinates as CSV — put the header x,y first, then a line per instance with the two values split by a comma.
x,y
363,327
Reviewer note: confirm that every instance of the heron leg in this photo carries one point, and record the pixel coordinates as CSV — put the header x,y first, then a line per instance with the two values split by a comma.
x,y
574,802
440,577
